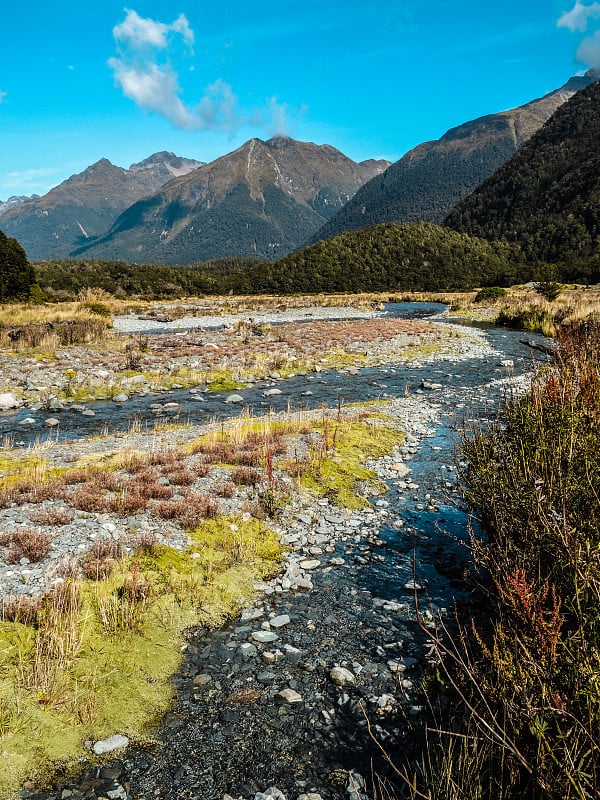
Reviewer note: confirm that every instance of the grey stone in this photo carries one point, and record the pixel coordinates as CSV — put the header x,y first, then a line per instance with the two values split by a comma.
x,y
52,422
264,637
234,398
310,563
121,398
279,621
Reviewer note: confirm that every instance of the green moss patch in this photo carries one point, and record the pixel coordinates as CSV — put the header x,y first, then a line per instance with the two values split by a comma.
x,y
336,464
100,656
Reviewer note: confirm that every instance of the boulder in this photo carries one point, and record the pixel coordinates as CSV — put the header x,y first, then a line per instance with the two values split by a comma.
x,y
8,400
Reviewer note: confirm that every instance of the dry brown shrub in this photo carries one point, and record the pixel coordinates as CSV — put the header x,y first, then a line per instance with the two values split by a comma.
x,y
52,516
146,542
169,509
50,490
224,489
104,480
106,547
75,476
88,498
127,502
20,608
165,458
26,543
201,468
98,569
247,458
182,477
246,476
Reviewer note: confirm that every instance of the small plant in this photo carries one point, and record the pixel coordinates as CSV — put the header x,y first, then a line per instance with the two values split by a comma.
x,y
21,608
548,289
34,545
52,516
246,476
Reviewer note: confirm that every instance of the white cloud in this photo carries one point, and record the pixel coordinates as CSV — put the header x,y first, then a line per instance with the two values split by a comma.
x,y
578,20
588,51
278,114
143,69
2,96
139,32
28,181
578,17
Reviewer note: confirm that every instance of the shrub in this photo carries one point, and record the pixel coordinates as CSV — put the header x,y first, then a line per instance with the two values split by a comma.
x,y
26,543
532,688
490,293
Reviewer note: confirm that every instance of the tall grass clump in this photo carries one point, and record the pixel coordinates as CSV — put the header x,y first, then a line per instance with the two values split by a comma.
x,y
530,678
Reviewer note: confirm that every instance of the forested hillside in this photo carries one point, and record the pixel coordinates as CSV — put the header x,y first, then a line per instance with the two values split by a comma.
x,y
547,196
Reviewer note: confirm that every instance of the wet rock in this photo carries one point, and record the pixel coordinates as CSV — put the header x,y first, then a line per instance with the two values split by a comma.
x,y
52,422
234,398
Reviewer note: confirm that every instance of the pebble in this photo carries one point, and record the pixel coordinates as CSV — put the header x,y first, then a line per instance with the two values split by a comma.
x,y
342,677
289,696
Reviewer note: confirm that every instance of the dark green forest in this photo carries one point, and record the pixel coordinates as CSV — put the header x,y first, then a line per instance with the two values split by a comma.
x,y
410,257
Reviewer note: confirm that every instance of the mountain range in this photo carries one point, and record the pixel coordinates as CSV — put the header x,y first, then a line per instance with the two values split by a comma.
x,y
430,179
268,198
264,199
86,205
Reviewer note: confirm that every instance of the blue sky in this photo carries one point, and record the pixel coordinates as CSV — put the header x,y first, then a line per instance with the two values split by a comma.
x,y
84,80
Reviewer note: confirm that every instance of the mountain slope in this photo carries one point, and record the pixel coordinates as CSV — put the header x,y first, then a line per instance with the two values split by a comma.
x,y
547,196
87,204
429,180
264,199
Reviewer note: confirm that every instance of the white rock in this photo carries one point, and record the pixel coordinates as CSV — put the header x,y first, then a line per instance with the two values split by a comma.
x,y
27,421
234,398
8,400
271,392
111,743
52,422
264,637
121,398
279,621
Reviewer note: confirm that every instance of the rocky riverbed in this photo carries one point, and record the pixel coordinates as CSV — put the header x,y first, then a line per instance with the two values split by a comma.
x,y
306,686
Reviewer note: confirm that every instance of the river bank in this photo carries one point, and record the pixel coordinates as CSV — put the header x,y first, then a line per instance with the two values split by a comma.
x,y
353,610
